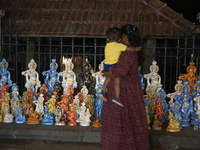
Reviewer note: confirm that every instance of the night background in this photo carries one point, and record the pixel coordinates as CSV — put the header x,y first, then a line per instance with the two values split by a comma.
x,y
189,8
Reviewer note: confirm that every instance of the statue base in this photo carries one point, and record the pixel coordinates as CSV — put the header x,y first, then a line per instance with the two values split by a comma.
x,y
72,124
20,122
85,123
96,125
8,121
156,128
173,130
33,122
47,123
60,123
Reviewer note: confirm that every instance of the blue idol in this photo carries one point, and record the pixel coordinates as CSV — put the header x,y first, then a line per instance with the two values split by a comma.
x,y
48,117
19,117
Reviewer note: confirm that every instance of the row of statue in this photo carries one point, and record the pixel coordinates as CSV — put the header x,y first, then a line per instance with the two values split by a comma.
x,y
184,103
47,104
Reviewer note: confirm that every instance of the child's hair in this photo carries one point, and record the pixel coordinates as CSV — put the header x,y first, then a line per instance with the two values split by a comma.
x,y
114,34
133,36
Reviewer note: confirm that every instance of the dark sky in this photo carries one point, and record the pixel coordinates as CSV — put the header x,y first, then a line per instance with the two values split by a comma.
x,y
189,8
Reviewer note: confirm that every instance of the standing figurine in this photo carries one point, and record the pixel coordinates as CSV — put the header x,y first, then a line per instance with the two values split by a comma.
x,y
186,105
177,92
190,76
159,109
5,74
70,92
14,103
77,107
43,90
25,103
162,95
30,97
68,76
48,117
64,102
72,115
5,103
51,105
19,117
51,76
150,98
98,107
39,106
86,77
99,75
32,77
89,105
84,92
153,79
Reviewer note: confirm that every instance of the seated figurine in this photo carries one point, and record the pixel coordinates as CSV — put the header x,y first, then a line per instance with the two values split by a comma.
x,y
48,117
19,117
8,118
173,124
33,117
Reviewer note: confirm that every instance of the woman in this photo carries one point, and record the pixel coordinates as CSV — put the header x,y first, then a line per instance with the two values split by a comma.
x,y
126,128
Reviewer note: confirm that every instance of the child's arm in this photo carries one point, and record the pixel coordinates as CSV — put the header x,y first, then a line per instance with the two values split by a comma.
x,y
133,49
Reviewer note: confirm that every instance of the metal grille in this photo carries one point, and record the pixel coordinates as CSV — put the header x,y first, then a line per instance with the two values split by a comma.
x,y
172,55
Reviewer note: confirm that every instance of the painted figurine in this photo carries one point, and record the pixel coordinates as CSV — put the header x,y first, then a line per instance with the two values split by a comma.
x,y
33,117
51,105
5,74
19,117
85,118
68,76
190,76
39,106
51,76
162,95
32,77
84,92
48,117
5,103
89,104
64,102
77,107
86,77
177,92
43,90
98,107
25,103
150,99
60,116
70,92
157,124
186,105
72,115
153,79
8,118
173,124
159,109
99,75
14,103
148,117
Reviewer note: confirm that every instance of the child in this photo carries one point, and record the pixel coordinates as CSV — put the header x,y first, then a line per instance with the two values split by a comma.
x,y
113,50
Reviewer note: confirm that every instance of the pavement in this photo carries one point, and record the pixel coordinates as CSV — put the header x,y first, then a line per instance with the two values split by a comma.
x,y
186,139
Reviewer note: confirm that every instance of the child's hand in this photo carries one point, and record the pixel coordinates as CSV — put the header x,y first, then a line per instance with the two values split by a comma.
x,y
138,48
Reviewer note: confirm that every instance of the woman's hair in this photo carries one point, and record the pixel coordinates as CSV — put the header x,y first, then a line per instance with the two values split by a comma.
x,y
134,38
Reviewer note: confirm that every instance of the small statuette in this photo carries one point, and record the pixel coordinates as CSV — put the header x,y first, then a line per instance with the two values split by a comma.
x,y
72,115
19,117
33,117
48,117
173,124
157,124
8,118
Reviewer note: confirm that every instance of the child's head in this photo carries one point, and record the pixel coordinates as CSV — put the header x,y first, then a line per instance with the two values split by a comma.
x,y
114,34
